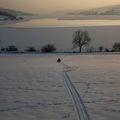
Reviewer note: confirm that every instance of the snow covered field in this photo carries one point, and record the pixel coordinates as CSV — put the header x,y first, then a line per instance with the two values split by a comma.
x,y
33,87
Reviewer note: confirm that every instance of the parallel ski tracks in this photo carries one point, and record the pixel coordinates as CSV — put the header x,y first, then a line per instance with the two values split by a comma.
x,y
79,106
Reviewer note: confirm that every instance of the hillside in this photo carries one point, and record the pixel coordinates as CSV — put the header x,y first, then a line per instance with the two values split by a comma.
x,y
107,10
12,14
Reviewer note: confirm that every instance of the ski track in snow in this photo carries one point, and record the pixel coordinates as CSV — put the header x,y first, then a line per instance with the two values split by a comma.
x,y
79,106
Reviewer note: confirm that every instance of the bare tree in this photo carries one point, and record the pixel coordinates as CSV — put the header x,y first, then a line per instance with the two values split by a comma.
x,y
80,39
101,48
107,50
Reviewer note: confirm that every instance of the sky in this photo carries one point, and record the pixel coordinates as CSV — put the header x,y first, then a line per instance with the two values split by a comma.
x,y
43,6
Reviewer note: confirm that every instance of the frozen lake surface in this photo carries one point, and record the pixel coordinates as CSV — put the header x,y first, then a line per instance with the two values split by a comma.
x,y
32,87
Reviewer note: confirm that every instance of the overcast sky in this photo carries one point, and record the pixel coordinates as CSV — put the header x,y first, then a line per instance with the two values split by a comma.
x,y
41,6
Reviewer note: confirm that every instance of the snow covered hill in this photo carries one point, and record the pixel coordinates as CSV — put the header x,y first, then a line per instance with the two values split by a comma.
x,y
107,10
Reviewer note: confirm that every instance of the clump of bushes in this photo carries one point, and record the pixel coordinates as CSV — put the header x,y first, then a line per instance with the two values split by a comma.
x,y
48,48
116,47
12,48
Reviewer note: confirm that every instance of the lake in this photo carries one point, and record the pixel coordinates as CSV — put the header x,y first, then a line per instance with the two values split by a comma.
x,y
37,23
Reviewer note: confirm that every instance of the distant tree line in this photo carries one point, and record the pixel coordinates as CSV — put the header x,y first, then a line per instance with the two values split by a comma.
x,y
115,48
49,48
11,48
10,16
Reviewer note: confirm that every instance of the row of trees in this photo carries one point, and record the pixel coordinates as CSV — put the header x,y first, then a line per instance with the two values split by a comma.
x,y
115,48
80,39
45,49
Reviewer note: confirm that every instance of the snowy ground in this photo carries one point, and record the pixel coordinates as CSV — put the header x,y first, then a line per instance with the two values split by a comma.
x,y
32,87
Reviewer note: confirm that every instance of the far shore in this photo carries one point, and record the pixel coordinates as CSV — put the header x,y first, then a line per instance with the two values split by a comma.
x,y
90,17
7,22
67,17
25,18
